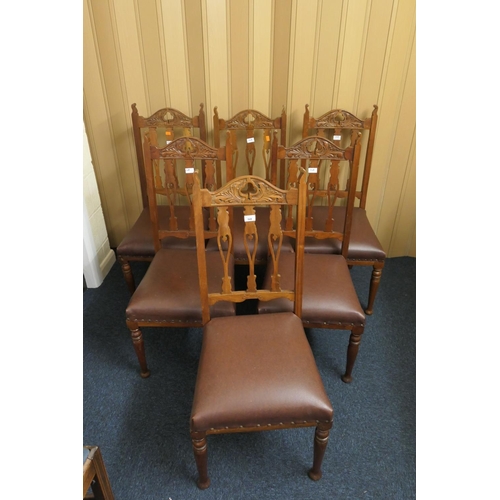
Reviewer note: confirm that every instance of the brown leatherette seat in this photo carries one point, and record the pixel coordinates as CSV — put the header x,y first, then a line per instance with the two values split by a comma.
x,y
363,243
169,291
232,393
329,296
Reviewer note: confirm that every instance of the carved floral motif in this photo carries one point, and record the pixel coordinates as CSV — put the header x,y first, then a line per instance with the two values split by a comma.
x,y
314,147
168,117
248,189
249,117
188,146
339,118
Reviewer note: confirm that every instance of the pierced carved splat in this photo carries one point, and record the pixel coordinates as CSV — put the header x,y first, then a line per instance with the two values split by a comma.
x,y
234,148
332,193
171,191
266,152
260,147
313,189
225,244
275,242
250,236
250,150
293,180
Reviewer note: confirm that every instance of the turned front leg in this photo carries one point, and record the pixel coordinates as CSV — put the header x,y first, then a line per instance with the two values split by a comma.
x,y
199,441
138,343
352,352
320,442
127,274
374,283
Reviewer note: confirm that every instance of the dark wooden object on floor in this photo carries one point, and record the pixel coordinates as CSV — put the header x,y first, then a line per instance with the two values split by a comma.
x,y
329,297
95,476
364,247
256,372
138,242
168,295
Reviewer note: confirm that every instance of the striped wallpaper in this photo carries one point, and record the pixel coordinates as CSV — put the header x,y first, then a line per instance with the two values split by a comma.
x,y
260,54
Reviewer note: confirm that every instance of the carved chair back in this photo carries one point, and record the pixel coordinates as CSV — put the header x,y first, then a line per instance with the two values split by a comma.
x,y
343,129
249,192
182,152
254,133
314,154
163,127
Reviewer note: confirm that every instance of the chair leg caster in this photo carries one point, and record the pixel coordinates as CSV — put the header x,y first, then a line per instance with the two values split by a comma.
x,y
315,476
145,374
203,485
346,378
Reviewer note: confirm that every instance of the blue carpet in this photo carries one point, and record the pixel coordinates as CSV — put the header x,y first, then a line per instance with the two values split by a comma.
x,y
142,425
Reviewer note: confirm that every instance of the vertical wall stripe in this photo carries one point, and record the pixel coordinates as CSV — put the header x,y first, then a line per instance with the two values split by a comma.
x,y
195,54
281,56
251,40
146,109
215,40
261,43
175,62
402,240
128,43
340,53
239,59
327,53
401,145
163,58
361,59
125,152
351,52
312,97
302,52
152,54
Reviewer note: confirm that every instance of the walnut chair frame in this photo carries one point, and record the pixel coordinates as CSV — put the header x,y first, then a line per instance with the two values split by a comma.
x,y
137,244
330,300
245,359
365,248
168,295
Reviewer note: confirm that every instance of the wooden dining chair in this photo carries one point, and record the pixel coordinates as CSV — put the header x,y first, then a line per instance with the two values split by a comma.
x,y
329,298
256,372
365,249
254,141
162,127
168,295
